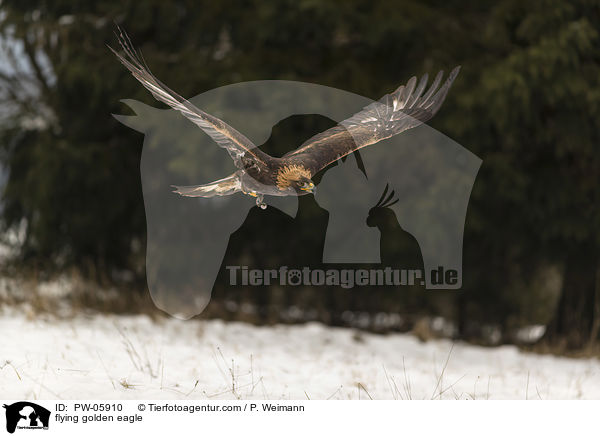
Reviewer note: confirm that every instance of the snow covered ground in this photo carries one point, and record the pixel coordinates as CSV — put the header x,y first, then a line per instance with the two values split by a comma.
x,y
112,357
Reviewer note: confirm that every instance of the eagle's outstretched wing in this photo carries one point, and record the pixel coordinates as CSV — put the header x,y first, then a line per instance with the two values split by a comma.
x,y
405,108
221,132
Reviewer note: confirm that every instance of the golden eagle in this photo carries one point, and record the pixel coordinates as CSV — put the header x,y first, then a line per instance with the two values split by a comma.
x,y
258,173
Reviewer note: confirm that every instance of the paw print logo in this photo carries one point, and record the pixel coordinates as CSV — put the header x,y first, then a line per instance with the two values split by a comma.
x,y
294,277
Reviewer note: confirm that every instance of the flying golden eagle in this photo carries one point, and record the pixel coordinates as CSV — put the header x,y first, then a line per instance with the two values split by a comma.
x,y
258,173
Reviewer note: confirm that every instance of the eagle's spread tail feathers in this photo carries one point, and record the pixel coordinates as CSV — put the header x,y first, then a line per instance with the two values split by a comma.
x,y
228,185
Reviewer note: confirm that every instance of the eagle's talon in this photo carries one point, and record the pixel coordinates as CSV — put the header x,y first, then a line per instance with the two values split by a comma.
x,y
260,203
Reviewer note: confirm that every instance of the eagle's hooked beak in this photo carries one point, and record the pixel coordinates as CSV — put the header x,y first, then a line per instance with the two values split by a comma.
x,y
308,187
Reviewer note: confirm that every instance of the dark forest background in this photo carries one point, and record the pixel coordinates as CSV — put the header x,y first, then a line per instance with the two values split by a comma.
x,y
527,102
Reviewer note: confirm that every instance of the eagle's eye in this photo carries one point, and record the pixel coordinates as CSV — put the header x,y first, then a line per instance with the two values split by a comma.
x,y
306,185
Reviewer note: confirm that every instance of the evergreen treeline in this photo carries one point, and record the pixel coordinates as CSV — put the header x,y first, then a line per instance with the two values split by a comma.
x,y
527,102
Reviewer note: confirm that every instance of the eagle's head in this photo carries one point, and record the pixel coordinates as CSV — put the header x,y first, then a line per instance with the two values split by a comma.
x,y
295,177
304,184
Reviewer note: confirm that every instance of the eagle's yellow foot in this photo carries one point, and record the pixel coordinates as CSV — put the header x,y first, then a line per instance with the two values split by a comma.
x,y
259,199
